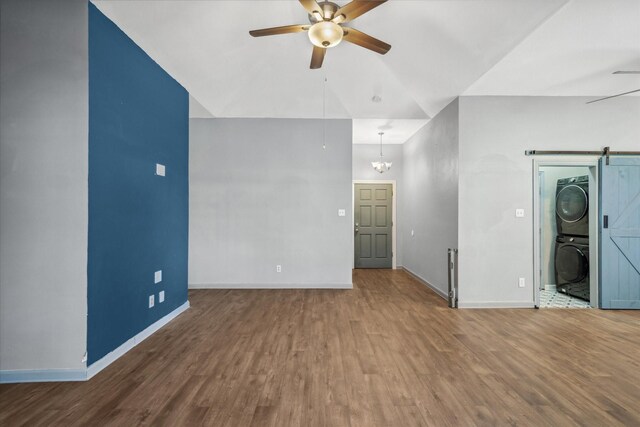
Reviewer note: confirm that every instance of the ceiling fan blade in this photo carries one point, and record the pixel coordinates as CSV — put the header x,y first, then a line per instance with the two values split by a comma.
x,y
279,30
311,6
613,96
317,57
351,11
361,39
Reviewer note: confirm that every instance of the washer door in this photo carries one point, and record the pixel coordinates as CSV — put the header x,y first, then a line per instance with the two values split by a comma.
x,y
572,203
572,264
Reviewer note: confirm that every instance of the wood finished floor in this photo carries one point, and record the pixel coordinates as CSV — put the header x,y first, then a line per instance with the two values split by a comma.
x,y
388,352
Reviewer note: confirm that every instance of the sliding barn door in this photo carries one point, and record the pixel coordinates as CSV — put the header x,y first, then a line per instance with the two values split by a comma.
x,y
620,233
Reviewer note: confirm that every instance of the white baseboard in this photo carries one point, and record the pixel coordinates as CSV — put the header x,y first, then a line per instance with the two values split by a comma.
x,y
42,375
49,375
427,284
495,304
107,360
270,286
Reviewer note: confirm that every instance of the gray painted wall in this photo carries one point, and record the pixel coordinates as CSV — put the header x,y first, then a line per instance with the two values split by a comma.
x,y
430,204
43,184
496,178
264,192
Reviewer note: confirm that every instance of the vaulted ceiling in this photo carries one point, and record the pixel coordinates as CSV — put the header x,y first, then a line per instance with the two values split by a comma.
x,y
440,50
573,53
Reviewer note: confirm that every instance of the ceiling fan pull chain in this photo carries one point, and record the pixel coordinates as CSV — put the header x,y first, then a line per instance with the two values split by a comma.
x,y
324,114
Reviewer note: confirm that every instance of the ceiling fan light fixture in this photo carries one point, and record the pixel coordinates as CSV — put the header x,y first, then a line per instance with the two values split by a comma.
x,y
326,19
325,34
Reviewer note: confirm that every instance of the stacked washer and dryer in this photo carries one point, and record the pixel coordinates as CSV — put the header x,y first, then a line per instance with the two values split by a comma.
x,y
572,243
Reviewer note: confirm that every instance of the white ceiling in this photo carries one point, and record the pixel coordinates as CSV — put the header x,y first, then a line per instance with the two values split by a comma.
x,y
574,53
396,131
439,49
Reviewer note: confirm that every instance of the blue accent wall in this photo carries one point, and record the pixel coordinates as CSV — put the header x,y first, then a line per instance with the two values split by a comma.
x,y
138,222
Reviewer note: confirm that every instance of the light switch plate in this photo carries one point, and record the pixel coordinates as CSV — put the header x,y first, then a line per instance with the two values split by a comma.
x,y
342,212
157,276
521,282
519,213
151,301
160,169
161,296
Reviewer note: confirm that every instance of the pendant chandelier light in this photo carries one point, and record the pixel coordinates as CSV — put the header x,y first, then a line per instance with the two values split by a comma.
x,y
381,166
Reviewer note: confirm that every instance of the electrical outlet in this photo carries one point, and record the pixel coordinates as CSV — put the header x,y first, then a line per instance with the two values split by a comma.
x,y
161,296
521,282
152,301
519,213
278,268
160,169
157,276
342,212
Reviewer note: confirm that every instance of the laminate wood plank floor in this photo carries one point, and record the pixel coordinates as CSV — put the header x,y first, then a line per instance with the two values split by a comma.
x,y
388,353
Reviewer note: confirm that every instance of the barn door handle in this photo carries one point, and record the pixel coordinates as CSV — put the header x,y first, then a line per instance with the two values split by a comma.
x,y
605,221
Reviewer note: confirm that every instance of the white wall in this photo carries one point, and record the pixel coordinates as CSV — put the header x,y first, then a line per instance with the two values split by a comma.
x,y
264,192
43,184
429,192
496,248
548,216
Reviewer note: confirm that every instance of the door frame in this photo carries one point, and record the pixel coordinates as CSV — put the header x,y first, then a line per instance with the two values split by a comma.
x,y
593,163
393,216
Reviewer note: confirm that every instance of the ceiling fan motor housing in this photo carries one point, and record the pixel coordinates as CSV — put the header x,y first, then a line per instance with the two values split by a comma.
x,y
328,10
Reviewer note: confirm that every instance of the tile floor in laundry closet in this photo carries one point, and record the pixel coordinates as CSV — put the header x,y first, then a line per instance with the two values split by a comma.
x,y
555,299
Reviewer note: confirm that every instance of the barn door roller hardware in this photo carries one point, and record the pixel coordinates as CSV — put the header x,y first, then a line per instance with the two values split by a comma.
x,y
605,152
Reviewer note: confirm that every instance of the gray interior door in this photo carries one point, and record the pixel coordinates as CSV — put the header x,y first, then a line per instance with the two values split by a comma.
x,y
620,233
373,227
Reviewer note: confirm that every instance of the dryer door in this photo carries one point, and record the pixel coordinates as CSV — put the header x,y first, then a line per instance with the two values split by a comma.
x,y
572,264
572,203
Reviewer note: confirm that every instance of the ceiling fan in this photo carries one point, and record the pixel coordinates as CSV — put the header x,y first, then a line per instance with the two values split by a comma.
x,y
326,30
619,94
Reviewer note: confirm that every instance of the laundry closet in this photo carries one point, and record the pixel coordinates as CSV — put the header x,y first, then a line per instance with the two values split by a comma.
x,y
565,237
